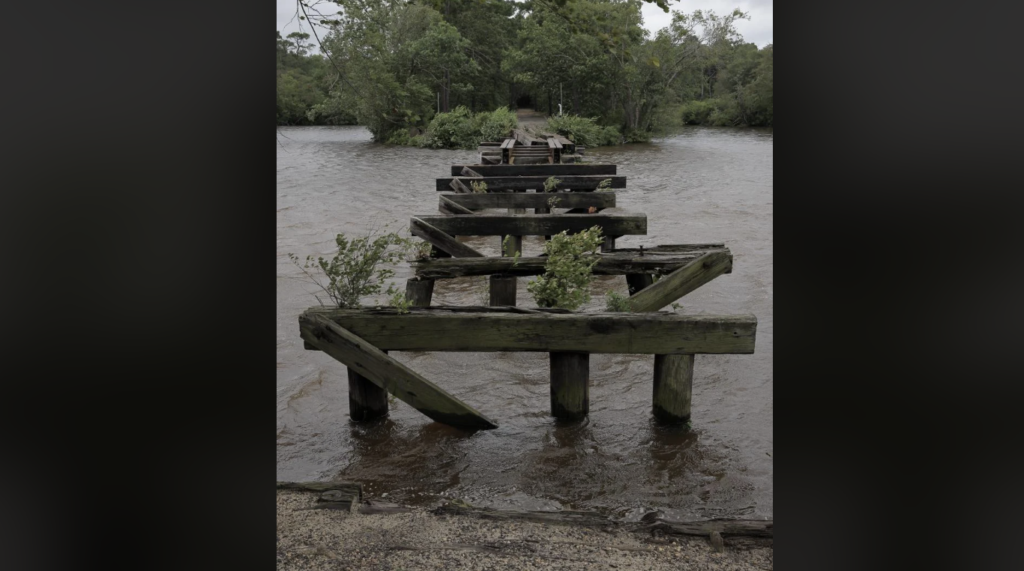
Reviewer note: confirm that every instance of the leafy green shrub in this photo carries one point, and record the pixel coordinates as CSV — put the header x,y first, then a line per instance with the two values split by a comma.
x,y
354,272
454,130
461,129
551,184
497,124
568,270
697,112
617,302
584,131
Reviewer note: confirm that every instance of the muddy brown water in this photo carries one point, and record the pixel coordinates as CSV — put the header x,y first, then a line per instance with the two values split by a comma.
x,y
697,185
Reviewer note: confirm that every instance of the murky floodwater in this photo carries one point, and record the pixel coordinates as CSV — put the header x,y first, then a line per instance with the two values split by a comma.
x,y
701,185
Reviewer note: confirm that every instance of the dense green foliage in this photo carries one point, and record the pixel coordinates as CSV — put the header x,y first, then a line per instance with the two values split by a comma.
x,y
358,269
463,129
399,66
584,130
567,270
303,84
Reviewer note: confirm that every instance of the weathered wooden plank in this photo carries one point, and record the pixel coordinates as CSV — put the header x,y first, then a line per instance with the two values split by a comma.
x,y
483,201
673,384
537,170
682,281
537,224
611,264
570,385
491,329
466,171
449,206
389,374
575,182
440,239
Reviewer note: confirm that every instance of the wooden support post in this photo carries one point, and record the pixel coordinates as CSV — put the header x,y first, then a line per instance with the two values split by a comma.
x,y
419,291
673,387
570,385
609,244
366,401
503,290
637,282
515,243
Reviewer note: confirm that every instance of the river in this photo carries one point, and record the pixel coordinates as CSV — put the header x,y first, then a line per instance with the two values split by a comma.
x,y
696,185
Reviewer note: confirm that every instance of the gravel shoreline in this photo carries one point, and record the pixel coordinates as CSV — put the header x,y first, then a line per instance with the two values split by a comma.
x,y
337,540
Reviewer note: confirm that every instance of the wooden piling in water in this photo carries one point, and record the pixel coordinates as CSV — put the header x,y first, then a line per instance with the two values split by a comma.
x,y
673,388
419,291
570,385
503,290
673,374
366,401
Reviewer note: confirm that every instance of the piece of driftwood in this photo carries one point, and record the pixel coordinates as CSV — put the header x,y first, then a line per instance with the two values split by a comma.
x,y
466,171
384,371
537,170
682,281
442,329
726,527
351,488
440,239
609,264
575,182
579,518
481,201
370,507
535,224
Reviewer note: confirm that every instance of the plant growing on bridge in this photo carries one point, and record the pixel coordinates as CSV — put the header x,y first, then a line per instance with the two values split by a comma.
x,y
617,302
478,186
568,270
551,184
358,269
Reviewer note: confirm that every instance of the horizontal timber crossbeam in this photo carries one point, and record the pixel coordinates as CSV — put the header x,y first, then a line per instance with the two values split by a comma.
x,y
536,224
610,264
482,201
575,182
494,329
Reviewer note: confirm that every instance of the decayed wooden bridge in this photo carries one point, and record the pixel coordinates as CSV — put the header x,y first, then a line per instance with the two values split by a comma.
x,y
656,277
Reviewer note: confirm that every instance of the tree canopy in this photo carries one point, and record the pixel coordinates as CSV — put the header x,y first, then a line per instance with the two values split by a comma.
x,y
392,65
